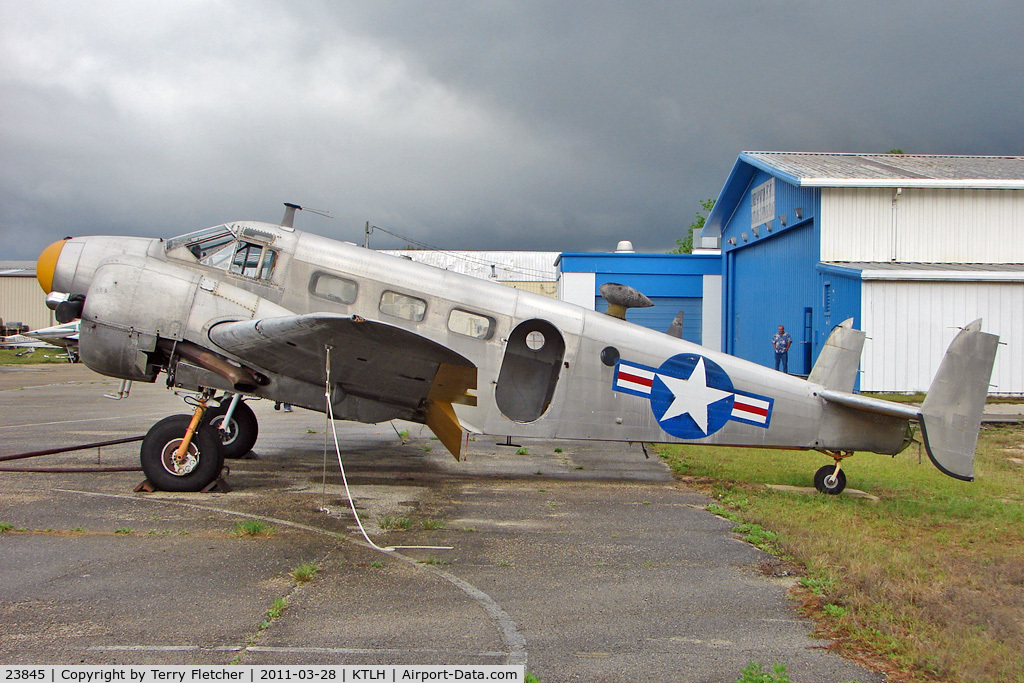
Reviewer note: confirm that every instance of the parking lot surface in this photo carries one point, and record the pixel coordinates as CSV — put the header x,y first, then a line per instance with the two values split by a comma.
x,y
583,561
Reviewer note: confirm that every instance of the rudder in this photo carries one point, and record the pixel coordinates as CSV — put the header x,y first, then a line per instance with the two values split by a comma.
x,y
951,413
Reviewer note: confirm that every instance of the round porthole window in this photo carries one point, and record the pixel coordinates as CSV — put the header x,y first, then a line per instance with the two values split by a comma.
x,y
535,341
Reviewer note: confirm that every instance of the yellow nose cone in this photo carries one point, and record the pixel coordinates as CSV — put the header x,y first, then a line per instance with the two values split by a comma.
x,y
47,265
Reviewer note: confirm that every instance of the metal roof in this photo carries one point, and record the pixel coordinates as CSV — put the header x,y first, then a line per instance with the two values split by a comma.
x,y
503,266
17,268
993,272
891,170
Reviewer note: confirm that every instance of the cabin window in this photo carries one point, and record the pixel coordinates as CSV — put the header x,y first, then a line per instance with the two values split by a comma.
x,y
253,260
470,324
402,306
332,288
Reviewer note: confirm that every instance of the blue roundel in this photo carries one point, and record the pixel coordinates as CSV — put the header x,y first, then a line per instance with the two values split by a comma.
x,y
692,396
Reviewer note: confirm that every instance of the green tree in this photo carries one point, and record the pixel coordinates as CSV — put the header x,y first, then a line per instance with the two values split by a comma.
x,y
685,245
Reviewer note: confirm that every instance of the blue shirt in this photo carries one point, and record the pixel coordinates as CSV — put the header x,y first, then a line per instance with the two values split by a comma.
x,y
781,342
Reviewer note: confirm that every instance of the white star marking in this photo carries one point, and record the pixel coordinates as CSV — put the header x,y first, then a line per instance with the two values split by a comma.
x,y
692,396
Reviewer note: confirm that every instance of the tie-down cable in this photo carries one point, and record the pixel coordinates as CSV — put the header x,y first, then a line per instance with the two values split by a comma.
x,y
344,479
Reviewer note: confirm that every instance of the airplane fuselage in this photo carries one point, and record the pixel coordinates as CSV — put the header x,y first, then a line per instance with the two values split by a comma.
x,y
544,368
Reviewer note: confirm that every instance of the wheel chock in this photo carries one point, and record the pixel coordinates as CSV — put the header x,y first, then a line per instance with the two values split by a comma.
x,y
218,485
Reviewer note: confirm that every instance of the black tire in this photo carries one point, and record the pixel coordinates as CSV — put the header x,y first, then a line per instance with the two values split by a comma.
x,y
243,429
824,482
157,456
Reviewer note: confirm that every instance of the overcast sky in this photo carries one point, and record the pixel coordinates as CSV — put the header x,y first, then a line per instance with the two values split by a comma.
x,y
552,125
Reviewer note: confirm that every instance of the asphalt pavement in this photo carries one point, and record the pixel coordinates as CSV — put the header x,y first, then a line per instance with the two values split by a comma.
x,y
584,561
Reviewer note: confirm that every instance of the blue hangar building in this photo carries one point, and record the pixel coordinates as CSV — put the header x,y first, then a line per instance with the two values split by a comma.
x,y
909,246
690,283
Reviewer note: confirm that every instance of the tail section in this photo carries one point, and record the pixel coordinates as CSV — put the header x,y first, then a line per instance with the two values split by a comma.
x,y
951,413
838,362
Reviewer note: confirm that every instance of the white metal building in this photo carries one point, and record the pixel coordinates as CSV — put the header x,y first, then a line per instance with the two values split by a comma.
x,y
910,246
21,299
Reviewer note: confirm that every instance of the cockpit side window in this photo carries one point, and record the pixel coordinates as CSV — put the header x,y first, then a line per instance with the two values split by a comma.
x,y
253,260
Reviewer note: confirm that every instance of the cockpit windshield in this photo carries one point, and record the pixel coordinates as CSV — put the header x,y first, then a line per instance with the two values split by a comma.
x,y
210,246
218,247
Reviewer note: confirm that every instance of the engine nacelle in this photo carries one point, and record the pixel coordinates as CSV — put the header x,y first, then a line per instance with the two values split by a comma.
x,y
132,301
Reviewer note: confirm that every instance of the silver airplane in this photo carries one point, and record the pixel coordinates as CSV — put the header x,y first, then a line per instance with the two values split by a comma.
x,y
58,336
263,310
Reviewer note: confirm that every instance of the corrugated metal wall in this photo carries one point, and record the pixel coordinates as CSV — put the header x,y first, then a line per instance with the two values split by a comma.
x,y
856,224
770,284
910,324
769,279
840,299
22,300
921,225
661,315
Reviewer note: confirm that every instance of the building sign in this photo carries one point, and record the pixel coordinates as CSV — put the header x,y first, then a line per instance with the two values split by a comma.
x,y
762,203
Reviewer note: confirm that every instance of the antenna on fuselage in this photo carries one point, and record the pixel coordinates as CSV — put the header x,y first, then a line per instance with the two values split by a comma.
x,y
289,214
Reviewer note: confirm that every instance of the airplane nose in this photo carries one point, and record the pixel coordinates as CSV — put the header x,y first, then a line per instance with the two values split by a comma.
x,y
47,265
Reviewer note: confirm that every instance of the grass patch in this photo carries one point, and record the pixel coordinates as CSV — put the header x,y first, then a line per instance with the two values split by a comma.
x,y
253,527
37,357
123,530
755,673
5,526
929,580
277,609
304,573
431,524
389,523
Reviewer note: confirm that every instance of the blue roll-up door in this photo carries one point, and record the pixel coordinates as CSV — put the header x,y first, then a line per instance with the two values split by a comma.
x,y
661,315
772,283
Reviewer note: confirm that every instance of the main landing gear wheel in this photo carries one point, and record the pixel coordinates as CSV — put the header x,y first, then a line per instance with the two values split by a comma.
x,y
828,481
243,428
200,466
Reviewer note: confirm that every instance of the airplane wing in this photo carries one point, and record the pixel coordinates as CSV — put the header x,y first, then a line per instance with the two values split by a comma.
x,y
369,360
20,341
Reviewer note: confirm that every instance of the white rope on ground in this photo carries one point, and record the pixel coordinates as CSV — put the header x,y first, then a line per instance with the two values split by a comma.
x,y
344,479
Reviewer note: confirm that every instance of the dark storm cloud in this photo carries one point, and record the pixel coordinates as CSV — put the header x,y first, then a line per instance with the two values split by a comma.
x,y
562,126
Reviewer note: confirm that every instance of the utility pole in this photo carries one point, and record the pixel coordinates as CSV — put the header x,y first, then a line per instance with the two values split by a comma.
x,y
366,236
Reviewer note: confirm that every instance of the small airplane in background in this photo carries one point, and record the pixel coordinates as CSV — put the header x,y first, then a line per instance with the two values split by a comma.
x,y
264,310
64,336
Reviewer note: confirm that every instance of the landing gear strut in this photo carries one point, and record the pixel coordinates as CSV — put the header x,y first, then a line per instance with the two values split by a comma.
x,y
181,452
831,479
235,425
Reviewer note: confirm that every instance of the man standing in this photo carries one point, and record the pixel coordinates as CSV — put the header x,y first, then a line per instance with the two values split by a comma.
x,y
780,344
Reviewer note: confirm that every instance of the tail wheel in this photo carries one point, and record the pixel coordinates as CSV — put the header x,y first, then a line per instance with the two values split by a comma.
x,y
828,481
242,432
200,466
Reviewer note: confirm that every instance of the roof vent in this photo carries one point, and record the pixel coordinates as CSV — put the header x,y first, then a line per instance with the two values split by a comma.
x,y
624,247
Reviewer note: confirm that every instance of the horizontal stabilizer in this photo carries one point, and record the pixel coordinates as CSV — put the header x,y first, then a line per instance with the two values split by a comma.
x,y
951,413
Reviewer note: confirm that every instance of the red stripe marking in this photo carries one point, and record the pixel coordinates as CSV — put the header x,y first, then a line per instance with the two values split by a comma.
x,y
747,408
625,376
